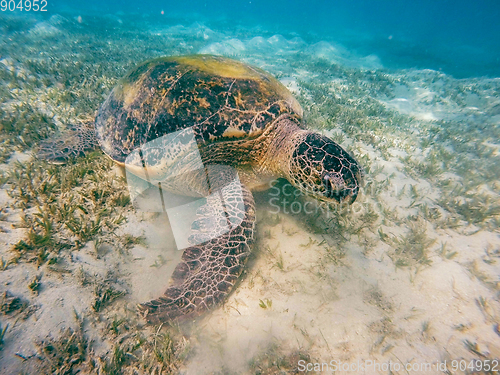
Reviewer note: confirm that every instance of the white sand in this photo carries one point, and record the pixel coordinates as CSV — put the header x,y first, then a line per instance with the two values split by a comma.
x,y
359,307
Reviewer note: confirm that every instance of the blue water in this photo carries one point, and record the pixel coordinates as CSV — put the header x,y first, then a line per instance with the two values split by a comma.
x,y
461,38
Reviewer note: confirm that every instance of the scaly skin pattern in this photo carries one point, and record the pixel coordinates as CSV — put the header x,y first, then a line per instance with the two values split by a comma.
x,y
226,113
74,142
208,271
169,113
322,168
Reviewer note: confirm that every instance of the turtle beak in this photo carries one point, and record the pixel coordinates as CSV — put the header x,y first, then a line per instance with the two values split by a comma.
x,y
333,191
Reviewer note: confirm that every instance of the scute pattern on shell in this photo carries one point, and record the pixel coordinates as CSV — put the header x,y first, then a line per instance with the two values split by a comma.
x,y
218,97
207,126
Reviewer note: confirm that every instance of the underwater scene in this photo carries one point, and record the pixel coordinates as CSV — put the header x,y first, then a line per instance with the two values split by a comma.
x,y
249,187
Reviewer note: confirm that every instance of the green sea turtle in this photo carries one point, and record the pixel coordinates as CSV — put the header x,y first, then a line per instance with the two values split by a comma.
x,y
247,130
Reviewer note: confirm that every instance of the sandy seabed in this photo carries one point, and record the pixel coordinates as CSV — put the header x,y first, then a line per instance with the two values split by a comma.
x,y
408,278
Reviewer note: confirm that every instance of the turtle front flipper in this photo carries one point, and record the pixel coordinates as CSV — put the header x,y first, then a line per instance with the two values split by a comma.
x,y
209,270
74,142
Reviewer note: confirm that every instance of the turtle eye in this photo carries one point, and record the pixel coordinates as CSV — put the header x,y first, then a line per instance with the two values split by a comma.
x,y
327,184
333,188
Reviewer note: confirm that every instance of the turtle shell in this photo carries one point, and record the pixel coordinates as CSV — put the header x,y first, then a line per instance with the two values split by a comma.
x,y
217,97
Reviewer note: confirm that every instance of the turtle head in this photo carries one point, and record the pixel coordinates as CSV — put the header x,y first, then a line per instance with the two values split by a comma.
x,y
321,168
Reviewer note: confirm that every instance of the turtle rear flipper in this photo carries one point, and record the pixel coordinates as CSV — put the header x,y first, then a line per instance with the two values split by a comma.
x,y
208,271
74,142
